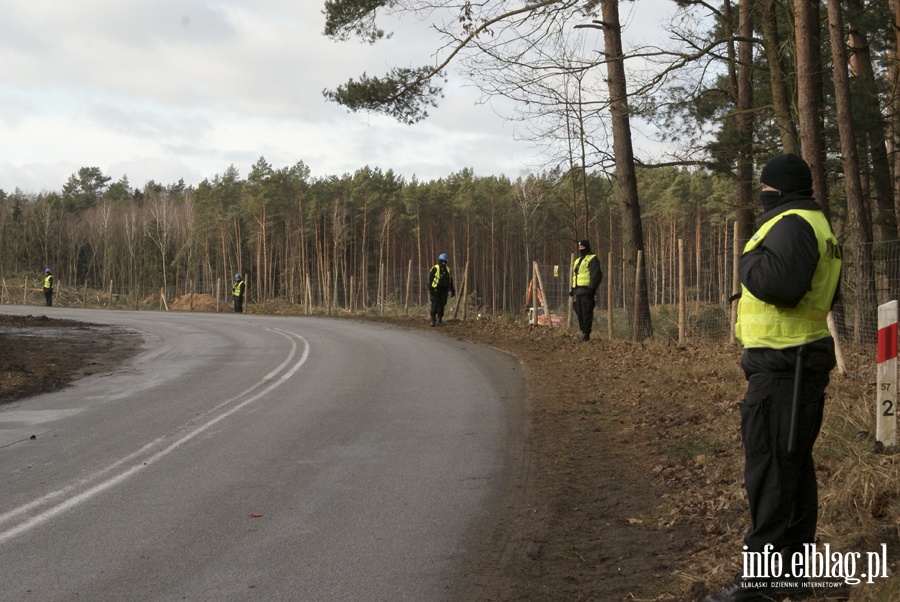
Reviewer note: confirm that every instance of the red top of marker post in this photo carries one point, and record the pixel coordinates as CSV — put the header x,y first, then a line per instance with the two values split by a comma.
x,y
887,343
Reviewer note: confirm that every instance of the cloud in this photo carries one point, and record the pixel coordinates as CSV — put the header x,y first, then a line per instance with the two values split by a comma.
x,y
175,89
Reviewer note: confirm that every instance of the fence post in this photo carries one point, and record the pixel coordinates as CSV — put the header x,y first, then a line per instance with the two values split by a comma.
x,y
571,302
681,299
886,405
408,284
610,301
735,280
839,355
635,325
381,279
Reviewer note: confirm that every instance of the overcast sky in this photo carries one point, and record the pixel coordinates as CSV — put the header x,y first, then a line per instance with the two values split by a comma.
x,y
182,89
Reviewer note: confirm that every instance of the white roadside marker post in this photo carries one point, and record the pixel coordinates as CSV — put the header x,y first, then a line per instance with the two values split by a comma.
x,y
886,406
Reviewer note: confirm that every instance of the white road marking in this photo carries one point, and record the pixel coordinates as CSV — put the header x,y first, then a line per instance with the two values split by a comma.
x,y
73,501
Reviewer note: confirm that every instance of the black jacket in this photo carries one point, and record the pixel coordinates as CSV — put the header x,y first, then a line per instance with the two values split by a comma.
x,y
780,271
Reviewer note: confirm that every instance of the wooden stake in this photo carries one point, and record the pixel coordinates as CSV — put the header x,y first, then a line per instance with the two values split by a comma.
x,y
408,285
460,297
635,326
540,284
610,301
735,280
681,299
571,302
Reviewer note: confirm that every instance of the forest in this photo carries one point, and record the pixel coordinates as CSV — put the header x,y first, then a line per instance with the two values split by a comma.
x,y
736,84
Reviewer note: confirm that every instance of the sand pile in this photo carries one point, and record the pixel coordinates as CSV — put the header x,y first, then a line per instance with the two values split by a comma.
x,y
199,302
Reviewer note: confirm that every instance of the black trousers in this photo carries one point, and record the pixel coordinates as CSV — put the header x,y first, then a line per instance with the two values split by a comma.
x,y
238,304
438,302
48,296
781,487
584,309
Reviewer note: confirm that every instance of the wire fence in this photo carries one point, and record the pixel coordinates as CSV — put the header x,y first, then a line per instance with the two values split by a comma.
x,y
689,296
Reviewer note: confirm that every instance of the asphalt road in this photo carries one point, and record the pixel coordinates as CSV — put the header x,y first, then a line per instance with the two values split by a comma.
x,y
244,457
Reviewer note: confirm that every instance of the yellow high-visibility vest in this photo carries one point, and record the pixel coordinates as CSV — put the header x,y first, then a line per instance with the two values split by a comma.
x,y
760,324
437,275
238,289
48,281
581,275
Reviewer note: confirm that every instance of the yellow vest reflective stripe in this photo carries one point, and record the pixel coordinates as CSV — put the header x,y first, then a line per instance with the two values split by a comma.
x,y
581,274
238,289
48,281
437,275
760,324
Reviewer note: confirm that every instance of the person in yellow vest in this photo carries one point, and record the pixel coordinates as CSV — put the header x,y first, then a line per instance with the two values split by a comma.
x,y
440,285
237,293
789,272
586,277
48,287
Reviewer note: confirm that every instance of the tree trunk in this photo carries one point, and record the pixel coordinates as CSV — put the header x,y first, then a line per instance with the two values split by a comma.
x,y
626,178
858,221
871,123
809,94
745,119
778,81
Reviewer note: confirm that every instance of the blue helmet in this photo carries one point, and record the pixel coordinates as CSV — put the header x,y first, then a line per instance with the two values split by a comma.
x,y
47,271
443,257
237,276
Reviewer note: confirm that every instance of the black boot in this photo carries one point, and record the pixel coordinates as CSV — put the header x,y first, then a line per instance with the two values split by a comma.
x,y
432,321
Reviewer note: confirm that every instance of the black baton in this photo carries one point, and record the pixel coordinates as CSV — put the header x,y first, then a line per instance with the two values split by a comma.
x,y
795,402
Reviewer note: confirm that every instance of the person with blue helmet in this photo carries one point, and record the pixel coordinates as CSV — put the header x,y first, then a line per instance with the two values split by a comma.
x,y
440,285
237,293
48,287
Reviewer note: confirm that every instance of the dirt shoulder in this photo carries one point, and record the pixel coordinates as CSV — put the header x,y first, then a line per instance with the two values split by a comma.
x,y
40,354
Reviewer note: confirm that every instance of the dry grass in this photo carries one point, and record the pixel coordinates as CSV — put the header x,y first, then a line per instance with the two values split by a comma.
x,y
676,411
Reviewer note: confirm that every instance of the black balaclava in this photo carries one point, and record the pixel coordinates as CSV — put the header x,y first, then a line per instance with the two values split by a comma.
x,y
790,175
587,247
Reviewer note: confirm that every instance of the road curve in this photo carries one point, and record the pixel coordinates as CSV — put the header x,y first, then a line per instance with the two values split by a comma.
x,y
245,457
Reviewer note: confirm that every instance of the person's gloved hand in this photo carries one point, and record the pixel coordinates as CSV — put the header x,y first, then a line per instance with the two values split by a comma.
x,y
572,292
452,293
